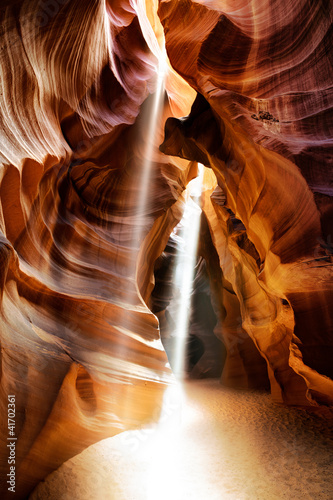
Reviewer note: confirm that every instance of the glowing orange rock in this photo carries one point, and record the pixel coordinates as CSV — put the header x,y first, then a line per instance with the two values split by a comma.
x,y
278,279
265,128
80,348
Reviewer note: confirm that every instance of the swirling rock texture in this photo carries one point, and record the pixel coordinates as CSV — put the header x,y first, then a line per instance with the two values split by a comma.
x,y
80,348
263,122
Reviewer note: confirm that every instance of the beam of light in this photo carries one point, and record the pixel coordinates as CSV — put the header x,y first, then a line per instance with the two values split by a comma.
x,y
140,220
141,213
154,116
184,270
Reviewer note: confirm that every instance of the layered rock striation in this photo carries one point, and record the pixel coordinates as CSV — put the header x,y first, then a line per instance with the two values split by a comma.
x,y
79,242
80,350
263,122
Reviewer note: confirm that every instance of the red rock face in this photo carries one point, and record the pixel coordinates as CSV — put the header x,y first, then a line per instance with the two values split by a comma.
x,y
265,131
80,347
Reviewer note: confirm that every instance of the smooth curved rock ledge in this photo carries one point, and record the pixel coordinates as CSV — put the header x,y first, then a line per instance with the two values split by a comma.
x,y
80,345
259,84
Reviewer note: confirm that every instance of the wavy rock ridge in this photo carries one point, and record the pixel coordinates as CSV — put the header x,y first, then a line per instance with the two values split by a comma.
x,y
80,348
263,86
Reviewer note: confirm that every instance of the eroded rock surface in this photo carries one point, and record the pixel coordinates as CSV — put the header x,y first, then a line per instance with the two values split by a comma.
x,y
80,348
251,59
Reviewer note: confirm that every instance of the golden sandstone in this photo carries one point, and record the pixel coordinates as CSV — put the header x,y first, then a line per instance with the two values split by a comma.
x,y
80,345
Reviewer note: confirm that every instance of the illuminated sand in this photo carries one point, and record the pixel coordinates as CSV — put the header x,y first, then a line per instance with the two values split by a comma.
x,y
219,444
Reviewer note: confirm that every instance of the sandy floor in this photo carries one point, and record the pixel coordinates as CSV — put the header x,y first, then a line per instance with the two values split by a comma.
x,y
212,444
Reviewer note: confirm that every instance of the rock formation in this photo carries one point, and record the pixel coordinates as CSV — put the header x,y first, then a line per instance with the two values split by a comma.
x,y
80,345
261,86
80,350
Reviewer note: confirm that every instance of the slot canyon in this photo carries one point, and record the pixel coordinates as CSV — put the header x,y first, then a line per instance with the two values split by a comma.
x,y
166,242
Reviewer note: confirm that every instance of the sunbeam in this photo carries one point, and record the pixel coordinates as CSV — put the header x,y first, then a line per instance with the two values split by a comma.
x,y
188,233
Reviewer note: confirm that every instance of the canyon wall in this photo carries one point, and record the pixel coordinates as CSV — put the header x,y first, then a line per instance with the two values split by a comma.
x,y
80,350
80,345
263,122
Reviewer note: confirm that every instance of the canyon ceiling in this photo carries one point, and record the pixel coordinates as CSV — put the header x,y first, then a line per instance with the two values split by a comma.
x,y
83,290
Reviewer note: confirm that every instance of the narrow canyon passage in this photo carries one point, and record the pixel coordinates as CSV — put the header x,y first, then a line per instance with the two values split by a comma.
x,y
166,210
213,443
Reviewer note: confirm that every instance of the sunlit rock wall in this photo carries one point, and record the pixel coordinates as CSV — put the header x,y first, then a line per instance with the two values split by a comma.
x,y
80,350
263,123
